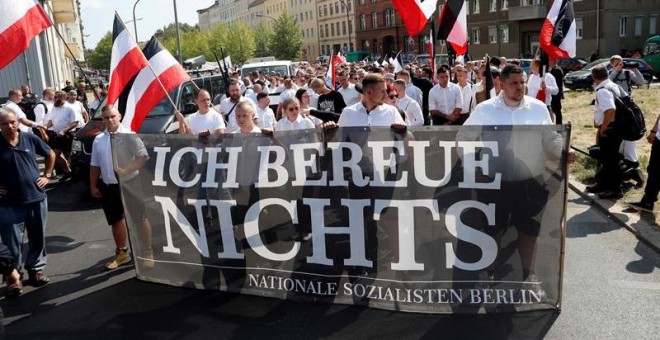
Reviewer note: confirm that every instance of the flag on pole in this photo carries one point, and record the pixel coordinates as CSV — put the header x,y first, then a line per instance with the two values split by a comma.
x,y
331,75
20,22
126,60
541,94
398,67
488,75
146,91
415,13
558,37
453,26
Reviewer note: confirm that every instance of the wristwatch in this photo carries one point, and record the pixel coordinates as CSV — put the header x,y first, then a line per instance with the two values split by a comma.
x,y
48,176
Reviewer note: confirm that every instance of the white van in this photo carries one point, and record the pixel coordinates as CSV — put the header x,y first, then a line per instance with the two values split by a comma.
x,y
282,67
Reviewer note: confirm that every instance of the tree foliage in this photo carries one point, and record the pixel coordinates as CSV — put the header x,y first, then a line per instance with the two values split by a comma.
x,y
286,38
193,43
99,57
261,39
235,39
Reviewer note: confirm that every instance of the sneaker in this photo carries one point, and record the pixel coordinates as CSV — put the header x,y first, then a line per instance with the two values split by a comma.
x,y
38,279
641,205
121,257
594,188
486,279
610,194
148,260
638,177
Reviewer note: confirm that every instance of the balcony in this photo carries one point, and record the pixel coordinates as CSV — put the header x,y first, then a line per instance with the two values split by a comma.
x,y
530,12
64,11
76,49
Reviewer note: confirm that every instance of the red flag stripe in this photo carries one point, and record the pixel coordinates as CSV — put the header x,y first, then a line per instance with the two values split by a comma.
x,y
415,13
17,36
126,69
171,78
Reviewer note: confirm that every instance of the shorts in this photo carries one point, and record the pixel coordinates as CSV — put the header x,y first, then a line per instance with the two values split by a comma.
x,y
61,143
111,200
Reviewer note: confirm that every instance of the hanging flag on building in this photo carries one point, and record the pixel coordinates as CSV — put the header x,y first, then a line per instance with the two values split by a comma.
x,y
557,36
146,91
415,13
126,60
20,22
453,26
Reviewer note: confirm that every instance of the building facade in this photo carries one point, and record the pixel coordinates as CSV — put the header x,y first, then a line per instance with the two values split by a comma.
x,y
48,62
304,11
336,26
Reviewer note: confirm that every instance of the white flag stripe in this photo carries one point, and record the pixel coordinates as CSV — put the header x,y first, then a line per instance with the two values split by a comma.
x,y
12,11
121,46
568,44
160,62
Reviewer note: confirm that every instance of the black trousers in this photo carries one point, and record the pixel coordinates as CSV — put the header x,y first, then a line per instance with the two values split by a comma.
x,y
653,182
555,106
610,171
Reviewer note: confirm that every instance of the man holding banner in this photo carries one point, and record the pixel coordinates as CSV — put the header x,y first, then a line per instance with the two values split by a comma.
x,y
521,166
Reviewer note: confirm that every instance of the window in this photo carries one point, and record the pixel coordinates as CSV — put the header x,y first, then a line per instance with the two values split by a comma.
x,y
492,6
363,22
505,5
331,10
343,27
467,6
320,12
652,23
475,7
504,30
623,22
374,20
474,33
492,34
579,30
638,26
327,31
321,32
389,17
325,10
302,32
332,28
337,7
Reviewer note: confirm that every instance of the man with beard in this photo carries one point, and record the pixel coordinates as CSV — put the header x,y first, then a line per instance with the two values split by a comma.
x,y
228,106
62,119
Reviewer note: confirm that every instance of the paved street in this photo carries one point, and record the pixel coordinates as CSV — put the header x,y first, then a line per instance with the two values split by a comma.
x,y
611,290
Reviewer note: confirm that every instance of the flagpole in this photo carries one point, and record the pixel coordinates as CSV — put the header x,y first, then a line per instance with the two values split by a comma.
x,y
150,67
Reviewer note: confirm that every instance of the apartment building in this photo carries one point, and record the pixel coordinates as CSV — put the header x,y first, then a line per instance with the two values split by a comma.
x,y
304,11
336,26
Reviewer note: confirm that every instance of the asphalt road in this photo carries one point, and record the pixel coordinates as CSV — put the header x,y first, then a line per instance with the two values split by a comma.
x,y
611,290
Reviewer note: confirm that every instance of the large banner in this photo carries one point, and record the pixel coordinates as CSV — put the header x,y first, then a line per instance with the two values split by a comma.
x,y
434,220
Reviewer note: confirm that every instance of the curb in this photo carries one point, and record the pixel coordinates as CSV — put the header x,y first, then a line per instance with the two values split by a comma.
x,y
648,233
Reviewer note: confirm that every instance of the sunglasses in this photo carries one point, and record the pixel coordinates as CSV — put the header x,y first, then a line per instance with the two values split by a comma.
x,y
393,96
291,109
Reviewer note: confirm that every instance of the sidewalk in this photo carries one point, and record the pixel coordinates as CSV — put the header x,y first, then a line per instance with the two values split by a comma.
x,y
641,224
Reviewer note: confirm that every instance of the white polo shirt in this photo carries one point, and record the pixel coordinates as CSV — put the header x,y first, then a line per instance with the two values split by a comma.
x,y
41,112
414,116
382,115
350,94
62,117
19,114
255,129
469,98
445,99
226,105
265,118
300,123
605,99
102,155
78,109
522,153
212,120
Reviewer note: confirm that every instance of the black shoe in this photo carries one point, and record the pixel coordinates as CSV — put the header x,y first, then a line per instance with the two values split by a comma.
x,y
610,194
595,188
38,279
648,207
637,176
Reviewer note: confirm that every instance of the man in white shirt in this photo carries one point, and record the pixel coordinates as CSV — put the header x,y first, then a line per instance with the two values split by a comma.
x,y
45,106
245,115
414,116
228,105
536,83
609,177
15,97
347,89
205,121
521,163
62,119
265,116
81,113
104,177
372,111
467,92
445,99
412,91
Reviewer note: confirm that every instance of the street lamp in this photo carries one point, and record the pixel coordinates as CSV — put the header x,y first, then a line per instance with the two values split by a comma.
x,y
348,23
135,20
178,38
266,16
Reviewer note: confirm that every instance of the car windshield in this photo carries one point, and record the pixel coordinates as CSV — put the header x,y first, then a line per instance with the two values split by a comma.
x,y
163,108
281,69
596,63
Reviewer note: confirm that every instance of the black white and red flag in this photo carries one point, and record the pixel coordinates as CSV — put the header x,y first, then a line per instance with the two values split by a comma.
x,y
126,60
558,37
415,13
20,22
145,90
453,26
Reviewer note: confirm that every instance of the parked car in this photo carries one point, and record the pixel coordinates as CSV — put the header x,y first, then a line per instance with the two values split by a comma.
x,y
581,80
571,64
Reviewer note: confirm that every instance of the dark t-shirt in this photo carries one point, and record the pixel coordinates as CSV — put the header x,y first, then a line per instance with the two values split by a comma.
x,y
19,171
333,101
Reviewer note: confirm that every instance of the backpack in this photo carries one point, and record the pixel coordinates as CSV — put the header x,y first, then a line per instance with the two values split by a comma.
x,y
628,119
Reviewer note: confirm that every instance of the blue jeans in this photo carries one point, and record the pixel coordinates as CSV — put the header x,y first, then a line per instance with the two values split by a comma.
x,y
14,221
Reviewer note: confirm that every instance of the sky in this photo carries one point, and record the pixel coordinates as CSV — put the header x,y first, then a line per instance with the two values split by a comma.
x,y
97,16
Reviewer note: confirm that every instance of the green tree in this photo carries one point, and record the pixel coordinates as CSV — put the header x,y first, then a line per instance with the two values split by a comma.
x,y
99,57
193,43
236,40
286,38
261,40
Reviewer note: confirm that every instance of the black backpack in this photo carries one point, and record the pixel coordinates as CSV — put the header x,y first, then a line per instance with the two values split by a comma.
x,y
628,120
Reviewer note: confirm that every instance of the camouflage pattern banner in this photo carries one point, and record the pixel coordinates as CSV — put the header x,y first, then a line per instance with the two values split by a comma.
x,y
433,220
